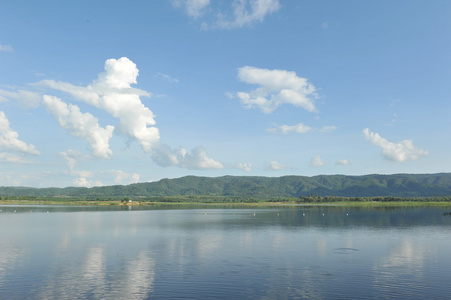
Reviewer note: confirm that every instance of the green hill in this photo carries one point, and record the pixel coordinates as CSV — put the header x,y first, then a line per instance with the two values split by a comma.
x,y
397,185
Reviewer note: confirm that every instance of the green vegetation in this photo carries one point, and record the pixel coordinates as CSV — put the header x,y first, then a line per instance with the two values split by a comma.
x,y
238,201
251,189
386,199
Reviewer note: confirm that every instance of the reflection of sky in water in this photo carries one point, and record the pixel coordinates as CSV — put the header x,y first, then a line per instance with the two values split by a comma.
x,y
404,266
249,253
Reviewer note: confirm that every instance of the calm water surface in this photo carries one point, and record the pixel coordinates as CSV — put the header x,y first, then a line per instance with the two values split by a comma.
x,y
272,253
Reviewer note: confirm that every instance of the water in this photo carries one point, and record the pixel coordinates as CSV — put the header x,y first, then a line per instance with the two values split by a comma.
x,y
273,253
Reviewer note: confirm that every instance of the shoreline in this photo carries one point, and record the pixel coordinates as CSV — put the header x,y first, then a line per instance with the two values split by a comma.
x,y
224,204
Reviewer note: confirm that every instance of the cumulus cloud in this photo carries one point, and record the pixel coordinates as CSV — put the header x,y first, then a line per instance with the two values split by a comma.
x,y
82,125
193,8
9,139
343,162
195,159
26,98
317,161
399,152
6,48
276,87
112,92
275,166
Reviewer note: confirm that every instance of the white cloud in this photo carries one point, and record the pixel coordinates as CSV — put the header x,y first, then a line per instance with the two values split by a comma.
x,y
243,12
9,139
317,161
343,162
275,166
83,179
328,128
195,159
112,92
12,158
298,128
401,151
276,87
26,98
84,173
82,125
247,12
121,177
247,167
70,156
193,8
119,74
6,48
118,176
286,129
84,182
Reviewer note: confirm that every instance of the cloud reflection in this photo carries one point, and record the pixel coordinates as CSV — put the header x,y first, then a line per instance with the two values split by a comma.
x,y
89,279
404,261
94,270
9,257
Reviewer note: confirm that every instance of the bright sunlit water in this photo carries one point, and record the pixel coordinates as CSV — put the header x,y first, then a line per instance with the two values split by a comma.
x,y
222,253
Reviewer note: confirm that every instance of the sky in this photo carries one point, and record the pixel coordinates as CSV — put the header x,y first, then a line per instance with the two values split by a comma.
x,y
96,93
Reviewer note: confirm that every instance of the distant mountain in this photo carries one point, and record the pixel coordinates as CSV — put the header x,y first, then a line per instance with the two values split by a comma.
x,y
398,185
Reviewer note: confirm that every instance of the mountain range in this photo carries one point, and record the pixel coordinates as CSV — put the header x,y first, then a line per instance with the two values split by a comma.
x,y
397,185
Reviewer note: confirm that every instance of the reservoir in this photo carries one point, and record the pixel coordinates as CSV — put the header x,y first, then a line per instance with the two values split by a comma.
x,y
284,252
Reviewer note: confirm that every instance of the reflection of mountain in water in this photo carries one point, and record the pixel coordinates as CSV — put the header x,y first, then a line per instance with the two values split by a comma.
x,y
324,217
333,216
204,217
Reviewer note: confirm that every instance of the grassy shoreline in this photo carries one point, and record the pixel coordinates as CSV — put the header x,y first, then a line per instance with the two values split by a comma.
x,y
219,203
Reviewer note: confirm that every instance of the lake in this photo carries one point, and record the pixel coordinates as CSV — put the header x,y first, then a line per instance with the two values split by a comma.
x,y
294,252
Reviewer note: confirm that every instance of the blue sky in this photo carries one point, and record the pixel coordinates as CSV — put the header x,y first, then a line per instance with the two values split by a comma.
x,y
117,92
